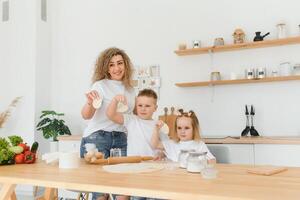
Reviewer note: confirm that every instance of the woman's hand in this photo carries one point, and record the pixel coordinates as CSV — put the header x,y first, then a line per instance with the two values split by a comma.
x,y
90,96
120,98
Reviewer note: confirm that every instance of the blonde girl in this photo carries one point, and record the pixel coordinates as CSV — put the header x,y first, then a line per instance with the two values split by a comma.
x,y
187,137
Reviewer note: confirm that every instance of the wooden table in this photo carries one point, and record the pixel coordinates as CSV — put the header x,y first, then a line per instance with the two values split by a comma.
x,y
233,182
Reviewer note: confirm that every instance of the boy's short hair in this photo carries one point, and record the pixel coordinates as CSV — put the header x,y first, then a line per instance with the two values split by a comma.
x,y
148,93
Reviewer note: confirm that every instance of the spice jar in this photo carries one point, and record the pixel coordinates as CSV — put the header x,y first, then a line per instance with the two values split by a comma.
x,y
182,158
196,161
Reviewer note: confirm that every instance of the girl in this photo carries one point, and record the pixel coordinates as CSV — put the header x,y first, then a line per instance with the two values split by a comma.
x,y
112,76
187,137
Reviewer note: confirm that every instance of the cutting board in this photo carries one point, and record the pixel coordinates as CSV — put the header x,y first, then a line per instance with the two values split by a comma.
x,y
169,119
266,170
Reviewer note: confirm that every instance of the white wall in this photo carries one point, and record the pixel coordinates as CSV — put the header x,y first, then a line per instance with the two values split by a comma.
x,y
17,64
150,31
43,68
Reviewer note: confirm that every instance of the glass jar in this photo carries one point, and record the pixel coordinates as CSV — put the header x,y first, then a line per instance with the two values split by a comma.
x,y
196,161
281,30
182,158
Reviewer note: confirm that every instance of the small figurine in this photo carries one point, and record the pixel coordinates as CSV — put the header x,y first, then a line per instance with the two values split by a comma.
x,y
238,36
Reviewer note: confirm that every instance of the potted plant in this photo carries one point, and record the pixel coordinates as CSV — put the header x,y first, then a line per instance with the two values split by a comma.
x,y
52,126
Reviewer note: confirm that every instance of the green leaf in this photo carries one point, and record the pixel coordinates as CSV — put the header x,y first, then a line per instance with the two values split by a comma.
x,y
51,126
43,122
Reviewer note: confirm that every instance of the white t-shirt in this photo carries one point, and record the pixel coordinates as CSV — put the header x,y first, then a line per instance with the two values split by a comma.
x,y
173,148
108,89
139,135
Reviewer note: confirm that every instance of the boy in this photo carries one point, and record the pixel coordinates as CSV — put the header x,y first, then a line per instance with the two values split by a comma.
x,y
140,126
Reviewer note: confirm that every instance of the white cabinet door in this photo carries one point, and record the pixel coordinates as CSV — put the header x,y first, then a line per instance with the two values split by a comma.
x,y
277,154
233,153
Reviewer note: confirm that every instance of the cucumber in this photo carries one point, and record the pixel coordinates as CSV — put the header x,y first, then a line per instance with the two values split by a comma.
x,y
34,147
16,149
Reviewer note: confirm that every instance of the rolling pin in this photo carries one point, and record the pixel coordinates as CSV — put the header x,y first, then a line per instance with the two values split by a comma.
x,y
117,160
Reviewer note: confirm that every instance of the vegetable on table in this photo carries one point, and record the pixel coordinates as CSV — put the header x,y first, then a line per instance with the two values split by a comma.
x,y
34,147
16,149
6,156
29,157
25,147
15,140
19,159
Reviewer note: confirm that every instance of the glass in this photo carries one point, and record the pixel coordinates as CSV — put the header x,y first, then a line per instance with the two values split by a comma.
x,y
209,172
115,152
196,161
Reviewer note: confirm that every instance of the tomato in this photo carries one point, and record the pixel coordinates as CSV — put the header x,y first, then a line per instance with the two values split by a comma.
x,y
19,158
25,147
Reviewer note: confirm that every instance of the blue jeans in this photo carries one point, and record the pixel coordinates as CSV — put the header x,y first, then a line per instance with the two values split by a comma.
x,y
105,141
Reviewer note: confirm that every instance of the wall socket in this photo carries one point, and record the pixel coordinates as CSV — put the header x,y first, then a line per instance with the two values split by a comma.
x,y
5,11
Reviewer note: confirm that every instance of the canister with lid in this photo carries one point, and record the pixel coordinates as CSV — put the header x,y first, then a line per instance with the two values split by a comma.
x,y
196,161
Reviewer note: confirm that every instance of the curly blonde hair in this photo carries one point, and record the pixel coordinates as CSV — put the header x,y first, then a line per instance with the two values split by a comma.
x,y
195,124
102,66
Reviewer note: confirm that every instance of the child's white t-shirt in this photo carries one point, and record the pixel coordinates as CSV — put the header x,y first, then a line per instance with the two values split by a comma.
x,y
172,148
108,89
139,133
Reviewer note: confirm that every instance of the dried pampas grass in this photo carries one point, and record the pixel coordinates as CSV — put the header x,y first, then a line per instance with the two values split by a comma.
x,y
4,115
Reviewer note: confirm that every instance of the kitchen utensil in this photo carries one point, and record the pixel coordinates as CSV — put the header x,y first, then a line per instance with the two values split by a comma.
x,y
125,159
253,131
247,129
266,170
281,30
259,37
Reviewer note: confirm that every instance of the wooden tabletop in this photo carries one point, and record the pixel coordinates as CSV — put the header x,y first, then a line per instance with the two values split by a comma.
x,y
233,182
226,140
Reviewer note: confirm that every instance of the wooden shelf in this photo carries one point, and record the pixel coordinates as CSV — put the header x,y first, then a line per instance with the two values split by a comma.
x,y
238,81
233,47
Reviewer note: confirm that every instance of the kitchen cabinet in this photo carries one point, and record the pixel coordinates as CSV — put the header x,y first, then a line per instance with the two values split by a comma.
x,y
279,154
233,153
281,151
